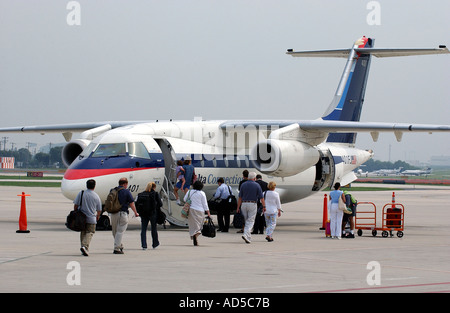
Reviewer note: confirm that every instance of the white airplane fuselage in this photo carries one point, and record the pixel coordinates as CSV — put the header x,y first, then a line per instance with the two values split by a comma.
x,y
214,152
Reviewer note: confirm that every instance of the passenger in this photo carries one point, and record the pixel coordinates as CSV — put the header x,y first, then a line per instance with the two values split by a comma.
x,y
199,206
244,179
249,194
119,220
272,210
149,202
351,203
223,207
335,213
90,204
260,222
189,174
180,180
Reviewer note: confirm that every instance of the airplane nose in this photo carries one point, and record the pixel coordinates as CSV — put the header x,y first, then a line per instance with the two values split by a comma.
x,y
70,188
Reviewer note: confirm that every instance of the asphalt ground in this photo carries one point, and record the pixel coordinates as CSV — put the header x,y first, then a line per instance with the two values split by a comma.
x,y
299,260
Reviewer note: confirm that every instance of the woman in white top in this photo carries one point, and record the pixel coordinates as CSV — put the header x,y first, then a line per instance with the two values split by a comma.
x,y
199,206
272,209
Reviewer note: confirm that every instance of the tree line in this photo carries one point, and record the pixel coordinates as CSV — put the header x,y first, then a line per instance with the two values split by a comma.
x,y
24,159
374,165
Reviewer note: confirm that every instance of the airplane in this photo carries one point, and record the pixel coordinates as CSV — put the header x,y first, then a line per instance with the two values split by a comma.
x,y
303,157
387,172
426,171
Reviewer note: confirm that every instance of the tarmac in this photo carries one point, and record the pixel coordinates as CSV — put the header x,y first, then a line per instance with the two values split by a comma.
x,y
299,260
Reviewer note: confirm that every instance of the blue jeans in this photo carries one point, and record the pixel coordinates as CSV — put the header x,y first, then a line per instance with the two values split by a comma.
x,y
144,224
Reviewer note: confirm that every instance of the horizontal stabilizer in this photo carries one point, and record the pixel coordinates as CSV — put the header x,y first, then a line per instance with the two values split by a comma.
x,y
378,52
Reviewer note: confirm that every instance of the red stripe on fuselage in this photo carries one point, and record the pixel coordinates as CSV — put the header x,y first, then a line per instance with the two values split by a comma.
x,y
73,174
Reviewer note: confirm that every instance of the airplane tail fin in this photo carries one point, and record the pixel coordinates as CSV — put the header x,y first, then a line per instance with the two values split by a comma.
x,y
349,97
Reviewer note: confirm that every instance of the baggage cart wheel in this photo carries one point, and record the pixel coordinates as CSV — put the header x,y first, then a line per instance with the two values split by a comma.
x,y
374,233
384,234
399,234
360,232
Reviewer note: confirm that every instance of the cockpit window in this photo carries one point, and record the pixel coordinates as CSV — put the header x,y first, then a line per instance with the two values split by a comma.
x,y
88,150
110,150
137,149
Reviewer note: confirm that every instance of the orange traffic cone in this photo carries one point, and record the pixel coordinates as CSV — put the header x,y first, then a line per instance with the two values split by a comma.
x,y
23,215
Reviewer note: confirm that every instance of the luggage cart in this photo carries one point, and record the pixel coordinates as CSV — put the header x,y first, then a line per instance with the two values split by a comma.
x,y
366,219
393,219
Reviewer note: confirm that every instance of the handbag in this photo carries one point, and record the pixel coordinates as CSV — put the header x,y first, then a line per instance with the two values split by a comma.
x,y
186,207
209,229
238,220
342,206
160,216
76,220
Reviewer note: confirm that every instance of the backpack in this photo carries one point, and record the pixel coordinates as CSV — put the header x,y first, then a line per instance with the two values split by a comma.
x,y
145,203
112,204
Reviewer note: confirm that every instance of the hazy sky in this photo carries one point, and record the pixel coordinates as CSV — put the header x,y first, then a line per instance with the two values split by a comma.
x,y
216,59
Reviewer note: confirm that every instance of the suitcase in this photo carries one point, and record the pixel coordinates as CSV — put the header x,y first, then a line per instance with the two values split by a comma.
x,y
103,223
327,229
394,218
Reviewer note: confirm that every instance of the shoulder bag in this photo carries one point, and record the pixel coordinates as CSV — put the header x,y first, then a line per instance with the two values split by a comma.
x,y
187,206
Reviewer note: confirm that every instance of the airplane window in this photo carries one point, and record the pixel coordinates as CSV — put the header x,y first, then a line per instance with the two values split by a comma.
x,y
138,149
109,150
88,150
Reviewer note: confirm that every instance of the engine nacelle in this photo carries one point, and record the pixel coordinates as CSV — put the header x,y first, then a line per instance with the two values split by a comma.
x,y
72,150
283,158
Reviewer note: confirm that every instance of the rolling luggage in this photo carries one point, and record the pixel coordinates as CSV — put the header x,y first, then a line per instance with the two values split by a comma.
x,y
394,218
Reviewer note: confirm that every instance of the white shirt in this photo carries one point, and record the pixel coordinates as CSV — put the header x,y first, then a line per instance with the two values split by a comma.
x,y
198,200
273,202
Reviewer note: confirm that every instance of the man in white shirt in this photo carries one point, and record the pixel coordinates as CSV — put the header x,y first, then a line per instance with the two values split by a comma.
x,y
223,208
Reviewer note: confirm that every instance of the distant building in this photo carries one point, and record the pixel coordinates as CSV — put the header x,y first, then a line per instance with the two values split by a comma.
x,y
6,162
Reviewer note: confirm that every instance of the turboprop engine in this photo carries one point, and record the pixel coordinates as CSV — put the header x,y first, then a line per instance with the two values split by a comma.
x,y
283,158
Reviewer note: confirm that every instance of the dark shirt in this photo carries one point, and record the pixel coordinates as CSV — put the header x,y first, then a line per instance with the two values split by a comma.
x,y
263,185
125,198
250,191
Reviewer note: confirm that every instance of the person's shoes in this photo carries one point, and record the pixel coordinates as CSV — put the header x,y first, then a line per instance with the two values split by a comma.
x,y
84,251
195,240
350,236
118,251
246,239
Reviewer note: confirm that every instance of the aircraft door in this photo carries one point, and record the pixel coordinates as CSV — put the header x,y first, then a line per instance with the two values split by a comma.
x,y
325,171
167,189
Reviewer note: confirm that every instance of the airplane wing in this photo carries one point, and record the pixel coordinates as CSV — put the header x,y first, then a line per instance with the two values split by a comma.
x,y
88,129
340,126
327,126
58,128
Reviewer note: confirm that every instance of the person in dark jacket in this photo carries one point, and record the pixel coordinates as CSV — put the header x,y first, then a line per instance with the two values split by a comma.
x,y
148,203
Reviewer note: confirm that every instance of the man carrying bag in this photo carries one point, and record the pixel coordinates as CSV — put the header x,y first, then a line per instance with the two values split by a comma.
x,y
89,203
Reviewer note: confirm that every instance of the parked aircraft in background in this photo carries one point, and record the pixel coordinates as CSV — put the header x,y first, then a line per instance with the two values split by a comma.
x,y
386,172
426,171
302,156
